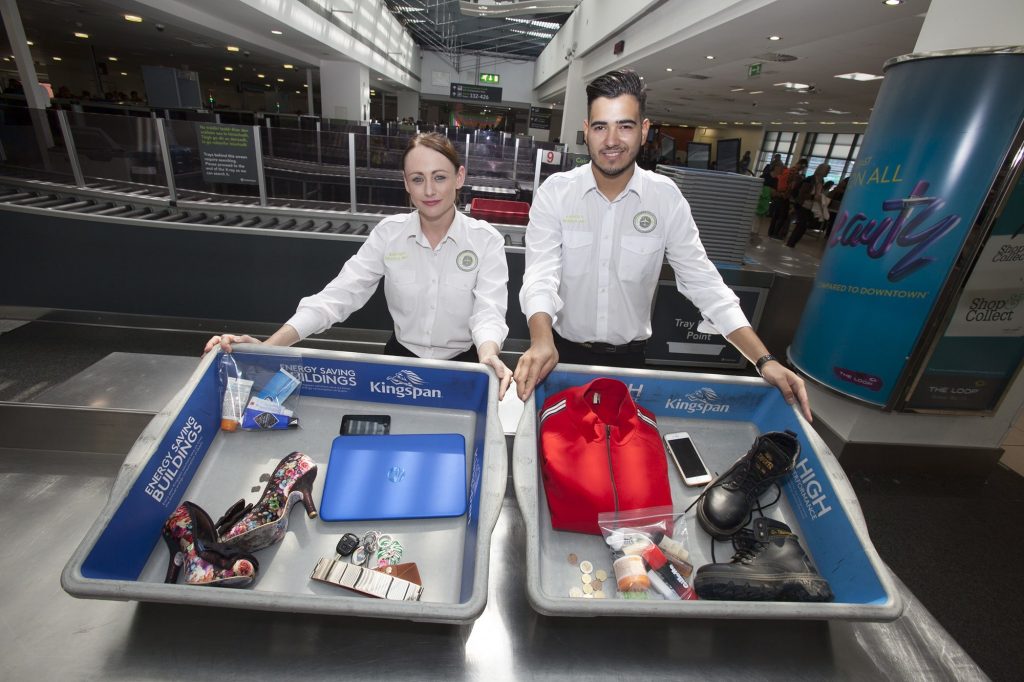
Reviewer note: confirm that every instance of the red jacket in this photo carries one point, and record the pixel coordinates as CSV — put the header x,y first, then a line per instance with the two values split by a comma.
x,y
599,456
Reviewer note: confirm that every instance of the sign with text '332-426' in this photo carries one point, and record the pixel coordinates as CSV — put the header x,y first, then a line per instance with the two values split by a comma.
x,y
477,93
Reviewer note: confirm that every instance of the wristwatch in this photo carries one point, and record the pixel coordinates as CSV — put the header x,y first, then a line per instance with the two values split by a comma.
x,y
764,360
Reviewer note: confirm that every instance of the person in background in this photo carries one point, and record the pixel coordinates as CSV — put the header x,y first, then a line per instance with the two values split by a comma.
x,y
745,164
595,244
445,274
835,200
810,204
789,179
771,164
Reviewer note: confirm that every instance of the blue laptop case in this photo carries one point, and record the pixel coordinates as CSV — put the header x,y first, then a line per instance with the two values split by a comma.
x,y
395,477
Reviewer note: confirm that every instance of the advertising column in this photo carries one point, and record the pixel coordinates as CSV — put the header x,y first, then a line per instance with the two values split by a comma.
x,y
939,136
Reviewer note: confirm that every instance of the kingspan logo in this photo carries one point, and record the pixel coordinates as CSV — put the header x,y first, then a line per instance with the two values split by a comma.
x,y
702,401
404,384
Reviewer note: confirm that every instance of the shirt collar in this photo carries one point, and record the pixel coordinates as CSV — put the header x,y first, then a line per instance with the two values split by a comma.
x,y
635,184
457,232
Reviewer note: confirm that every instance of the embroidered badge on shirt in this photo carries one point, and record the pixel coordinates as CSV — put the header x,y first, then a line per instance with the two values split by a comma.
x,y
644,221
396,255
467,261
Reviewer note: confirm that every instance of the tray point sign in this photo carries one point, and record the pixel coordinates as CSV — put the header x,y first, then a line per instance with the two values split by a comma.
x,y
550,156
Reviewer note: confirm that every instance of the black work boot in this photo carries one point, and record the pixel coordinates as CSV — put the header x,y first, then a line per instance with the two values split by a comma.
x,y
769,565
726,505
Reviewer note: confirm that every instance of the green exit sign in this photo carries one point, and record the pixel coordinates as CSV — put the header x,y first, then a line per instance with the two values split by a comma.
x,y
754,70
491,78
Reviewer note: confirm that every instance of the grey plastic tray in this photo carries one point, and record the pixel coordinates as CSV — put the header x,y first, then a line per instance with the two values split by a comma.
x,y
451,553
740,409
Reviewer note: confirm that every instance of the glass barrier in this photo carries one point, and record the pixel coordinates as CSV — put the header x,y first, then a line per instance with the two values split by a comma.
x,y
295,168
183,143
117,149
32,146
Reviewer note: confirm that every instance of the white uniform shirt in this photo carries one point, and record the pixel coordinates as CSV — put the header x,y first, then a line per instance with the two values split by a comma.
x,y
593,264
442,300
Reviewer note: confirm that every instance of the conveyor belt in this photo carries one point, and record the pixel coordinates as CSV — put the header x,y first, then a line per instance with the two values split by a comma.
x,y
114,201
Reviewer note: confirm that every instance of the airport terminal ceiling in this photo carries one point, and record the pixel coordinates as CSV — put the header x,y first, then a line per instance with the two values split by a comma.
x,y
730,74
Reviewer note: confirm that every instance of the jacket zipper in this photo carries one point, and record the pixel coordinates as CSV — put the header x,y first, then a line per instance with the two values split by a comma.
x,y
611,472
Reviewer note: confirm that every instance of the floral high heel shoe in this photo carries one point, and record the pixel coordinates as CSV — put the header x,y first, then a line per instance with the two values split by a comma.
x,y
192,541
252,527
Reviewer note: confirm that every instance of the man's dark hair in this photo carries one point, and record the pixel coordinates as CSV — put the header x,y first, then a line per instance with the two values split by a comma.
x,y
616,83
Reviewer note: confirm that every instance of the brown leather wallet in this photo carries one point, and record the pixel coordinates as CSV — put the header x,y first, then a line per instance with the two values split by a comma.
x,y
408,571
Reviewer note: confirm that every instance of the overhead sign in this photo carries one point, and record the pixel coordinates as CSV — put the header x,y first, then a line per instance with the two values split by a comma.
x,y
490,78
477,93
540,118
754,70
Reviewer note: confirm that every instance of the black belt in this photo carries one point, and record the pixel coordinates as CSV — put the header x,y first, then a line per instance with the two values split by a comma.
x,y
609,349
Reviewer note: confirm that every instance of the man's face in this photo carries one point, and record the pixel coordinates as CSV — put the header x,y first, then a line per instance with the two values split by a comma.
x,y
614,134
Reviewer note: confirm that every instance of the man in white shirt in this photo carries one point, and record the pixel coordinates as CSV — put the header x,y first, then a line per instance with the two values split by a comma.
x,y
594,248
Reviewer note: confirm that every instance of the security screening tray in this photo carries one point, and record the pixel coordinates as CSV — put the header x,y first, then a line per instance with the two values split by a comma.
x,y
723,415
123,556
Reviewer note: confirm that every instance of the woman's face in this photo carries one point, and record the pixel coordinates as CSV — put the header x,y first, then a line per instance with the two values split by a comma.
x,y
431,181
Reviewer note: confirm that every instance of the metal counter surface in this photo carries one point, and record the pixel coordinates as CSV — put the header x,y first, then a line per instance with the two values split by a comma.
x,y
50,499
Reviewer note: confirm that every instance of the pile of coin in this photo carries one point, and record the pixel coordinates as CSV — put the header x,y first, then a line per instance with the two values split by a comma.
x,y
593,581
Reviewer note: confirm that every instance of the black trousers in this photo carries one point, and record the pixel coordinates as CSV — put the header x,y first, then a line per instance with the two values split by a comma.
x,y
573,353
804,220
780,217
393,347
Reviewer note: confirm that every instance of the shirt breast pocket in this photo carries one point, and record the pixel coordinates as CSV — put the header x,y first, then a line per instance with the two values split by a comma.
x,y
638,257
576,248
457,295
401,290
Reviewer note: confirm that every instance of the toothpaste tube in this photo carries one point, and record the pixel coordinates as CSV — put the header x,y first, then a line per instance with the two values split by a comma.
x,y
280,386
236,394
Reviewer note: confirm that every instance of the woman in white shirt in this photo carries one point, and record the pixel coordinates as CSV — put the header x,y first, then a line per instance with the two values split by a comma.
x,y
445,274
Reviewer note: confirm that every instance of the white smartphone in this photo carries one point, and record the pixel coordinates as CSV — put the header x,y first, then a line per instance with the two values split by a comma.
x,y
683,452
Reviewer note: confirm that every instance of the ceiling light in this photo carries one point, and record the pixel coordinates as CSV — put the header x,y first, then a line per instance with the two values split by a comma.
x,y
7,59
736,90
112,59
276,32
859,123
227,80
229,68
803,102
260,75
280,80
799,123
756,92
305,85
892,3
268,85
298,92
288,66
737,123
30,43
776,123
232,48
550,25
532,34
756,123
81,35
774,37
669,69
793,86
835,111
416,9
723,123
132,18
57,59
641,77
827,123
710,56
124,73
380,79
858,76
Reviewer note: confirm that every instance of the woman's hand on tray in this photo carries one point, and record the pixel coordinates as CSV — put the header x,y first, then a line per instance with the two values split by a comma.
x,y
789,384
488,354
225,341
